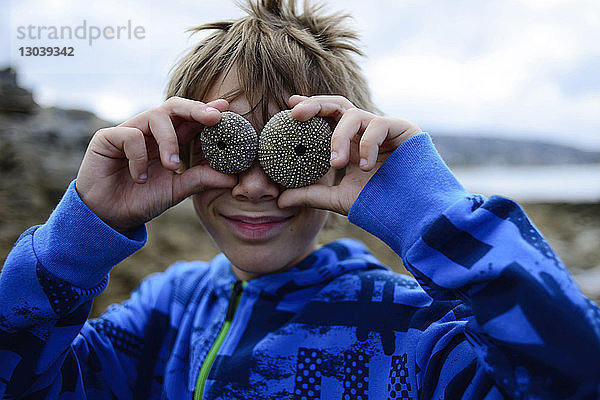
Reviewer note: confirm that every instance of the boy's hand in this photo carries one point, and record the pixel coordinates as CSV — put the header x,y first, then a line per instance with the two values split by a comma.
x,y
361,142
128,174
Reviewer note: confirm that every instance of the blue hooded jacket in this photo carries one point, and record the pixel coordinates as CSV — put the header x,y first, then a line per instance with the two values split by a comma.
x,y
491,314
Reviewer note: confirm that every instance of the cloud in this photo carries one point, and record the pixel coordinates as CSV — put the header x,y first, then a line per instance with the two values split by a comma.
x,y
516,66
533,75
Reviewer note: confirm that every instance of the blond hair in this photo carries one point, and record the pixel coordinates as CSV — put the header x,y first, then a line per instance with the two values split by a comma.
x,y
276,50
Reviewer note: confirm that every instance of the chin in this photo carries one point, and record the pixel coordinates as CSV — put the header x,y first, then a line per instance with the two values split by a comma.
x,y
256,262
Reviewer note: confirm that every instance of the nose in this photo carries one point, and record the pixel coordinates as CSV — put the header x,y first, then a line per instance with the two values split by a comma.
x,y
254,185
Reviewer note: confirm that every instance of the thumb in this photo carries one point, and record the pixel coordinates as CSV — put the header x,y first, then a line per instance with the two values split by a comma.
x,y
198,179
315,196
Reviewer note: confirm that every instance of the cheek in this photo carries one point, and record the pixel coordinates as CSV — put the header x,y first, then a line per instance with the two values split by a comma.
x,y
203,202
312,222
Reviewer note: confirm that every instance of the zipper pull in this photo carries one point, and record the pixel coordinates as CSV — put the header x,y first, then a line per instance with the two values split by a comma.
x,y
235,293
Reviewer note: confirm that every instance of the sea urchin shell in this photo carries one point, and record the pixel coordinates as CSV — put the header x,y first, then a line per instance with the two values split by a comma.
x,y
231,145
294,153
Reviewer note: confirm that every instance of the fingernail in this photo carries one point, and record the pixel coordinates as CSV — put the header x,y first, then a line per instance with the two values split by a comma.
x,y
363,162
143,176
209,109
334,155
175,159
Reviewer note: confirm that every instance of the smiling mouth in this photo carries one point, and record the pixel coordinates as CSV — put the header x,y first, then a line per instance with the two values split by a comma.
x,y
256,228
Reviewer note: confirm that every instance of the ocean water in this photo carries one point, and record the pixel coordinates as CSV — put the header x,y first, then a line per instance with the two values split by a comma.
x,y
554,183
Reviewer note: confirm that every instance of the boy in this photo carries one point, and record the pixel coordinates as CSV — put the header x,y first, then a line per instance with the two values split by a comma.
x,y
274,316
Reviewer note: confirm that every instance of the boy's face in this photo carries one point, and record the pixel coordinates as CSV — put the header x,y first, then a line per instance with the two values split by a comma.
x,y
256,236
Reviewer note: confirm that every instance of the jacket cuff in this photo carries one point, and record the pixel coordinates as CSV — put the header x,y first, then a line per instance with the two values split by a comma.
x,y
410,190
77,246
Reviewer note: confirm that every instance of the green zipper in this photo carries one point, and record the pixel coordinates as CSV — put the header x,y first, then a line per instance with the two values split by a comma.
x,y
236,294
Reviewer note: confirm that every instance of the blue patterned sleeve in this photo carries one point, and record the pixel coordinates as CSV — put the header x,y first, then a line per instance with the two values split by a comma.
x,y
47,285
525,329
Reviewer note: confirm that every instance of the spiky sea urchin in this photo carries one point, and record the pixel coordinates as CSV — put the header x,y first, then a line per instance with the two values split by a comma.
x,y
294,153
231,145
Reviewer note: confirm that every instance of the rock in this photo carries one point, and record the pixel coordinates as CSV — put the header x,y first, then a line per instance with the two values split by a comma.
x,y
12,97
40,153
589,281
466,151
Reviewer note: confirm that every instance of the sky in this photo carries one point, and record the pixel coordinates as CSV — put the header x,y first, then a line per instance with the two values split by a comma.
x,y
511,68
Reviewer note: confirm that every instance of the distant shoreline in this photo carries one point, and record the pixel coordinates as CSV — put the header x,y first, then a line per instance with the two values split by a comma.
x,y
570,183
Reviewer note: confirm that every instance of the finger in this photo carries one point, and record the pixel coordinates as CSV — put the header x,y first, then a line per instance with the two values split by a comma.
x,y
180,108
160,124
295,99
197,179
161,128
383,135
370,142
219,104
305,108
188,130
314,196
325,98
352,123
193,110
308,109
131,142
